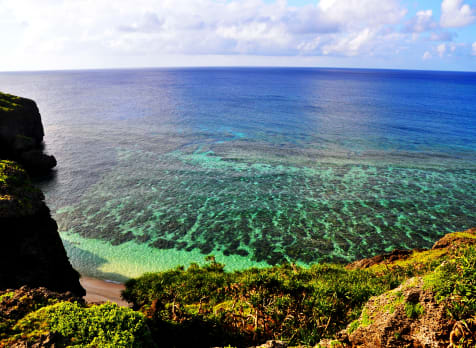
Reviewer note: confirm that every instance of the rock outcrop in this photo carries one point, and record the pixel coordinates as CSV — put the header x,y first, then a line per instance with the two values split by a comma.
x,y
456,240
408,316
21,134
411,315
31,251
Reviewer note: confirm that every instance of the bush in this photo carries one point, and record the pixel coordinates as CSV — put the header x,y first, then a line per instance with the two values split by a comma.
x,y
106,325
455,282
300,305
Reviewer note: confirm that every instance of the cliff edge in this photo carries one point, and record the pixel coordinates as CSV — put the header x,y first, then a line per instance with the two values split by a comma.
x,y
31,251
21,134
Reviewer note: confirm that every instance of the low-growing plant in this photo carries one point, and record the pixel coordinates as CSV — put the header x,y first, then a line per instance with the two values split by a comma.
x,y
299,305
106,325
414,310
455,282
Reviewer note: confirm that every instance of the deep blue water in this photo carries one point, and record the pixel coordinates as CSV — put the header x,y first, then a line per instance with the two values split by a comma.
x,y
254,165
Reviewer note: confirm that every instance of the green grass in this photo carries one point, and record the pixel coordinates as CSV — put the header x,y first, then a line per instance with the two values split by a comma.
x,y
414,310
454,281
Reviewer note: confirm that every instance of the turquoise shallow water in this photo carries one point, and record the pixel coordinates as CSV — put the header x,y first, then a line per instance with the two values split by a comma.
x,y
257,166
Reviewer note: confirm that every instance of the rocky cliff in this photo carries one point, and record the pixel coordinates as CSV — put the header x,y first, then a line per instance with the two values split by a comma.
x,y
21,134
31,251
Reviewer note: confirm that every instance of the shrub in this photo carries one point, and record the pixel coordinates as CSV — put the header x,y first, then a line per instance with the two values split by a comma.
x,y
300,305
455,282
106,325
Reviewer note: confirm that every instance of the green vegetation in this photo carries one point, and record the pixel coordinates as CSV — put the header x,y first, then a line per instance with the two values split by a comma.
x,y
213,307
300,305
413,310
8,102
208,306
419,263
397,299
455,280
11,174
6,295
16,187
106,325
33,316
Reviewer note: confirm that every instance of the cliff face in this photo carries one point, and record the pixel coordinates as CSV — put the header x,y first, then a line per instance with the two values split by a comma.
x,y
31,251
21,134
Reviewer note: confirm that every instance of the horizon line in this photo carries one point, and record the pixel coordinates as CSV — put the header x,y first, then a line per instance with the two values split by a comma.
x,y
228,67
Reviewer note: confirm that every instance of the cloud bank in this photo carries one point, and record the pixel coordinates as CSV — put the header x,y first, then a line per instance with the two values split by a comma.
x,y
325,28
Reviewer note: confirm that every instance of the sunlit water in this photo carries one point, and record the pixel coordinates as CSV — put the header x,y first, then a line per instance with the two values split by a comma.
x,y
256,166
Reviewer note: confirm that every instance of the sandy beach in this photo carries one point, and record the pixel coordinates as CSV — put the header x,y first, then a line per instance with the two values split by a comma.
x,y
98,291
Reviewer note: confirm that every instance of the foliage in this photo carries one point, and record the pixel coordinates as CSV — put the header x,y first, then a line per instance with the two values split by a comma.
x,y
208,306
106,325
300,305
414,310
28,316
455,282
419,263
16,187
11,173
8,102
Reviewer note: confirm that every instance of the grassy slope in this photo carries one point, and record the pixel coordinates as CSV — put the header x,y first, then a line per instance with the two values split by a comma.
x,y
299,305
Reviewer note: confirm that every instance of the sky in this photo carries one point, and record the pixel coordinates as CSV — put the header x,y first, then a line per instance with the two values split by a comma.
x,y
96,34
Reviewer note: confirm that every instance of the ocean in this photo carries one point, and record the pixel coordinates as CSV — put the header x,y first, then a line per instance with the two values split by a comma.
x,y
256,166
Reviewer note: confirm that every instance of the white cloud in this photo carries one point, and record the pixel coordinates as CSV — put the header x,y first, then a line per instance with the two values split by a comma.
x,y
202,26
363,13
456,14
350,45
423,21
426,55
474,48
146,30
441,49
309,46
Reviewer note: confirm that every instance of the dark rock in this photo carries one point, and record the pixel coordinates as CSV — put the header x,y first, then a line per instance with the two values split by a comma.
x,y
17,303
35,161
22,301
21,134
19,116
23,143
31,251
162,243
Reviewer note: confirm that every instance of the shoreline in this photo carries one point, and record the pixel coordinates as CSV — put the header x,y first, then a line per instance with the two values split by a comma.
x,y
100,291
